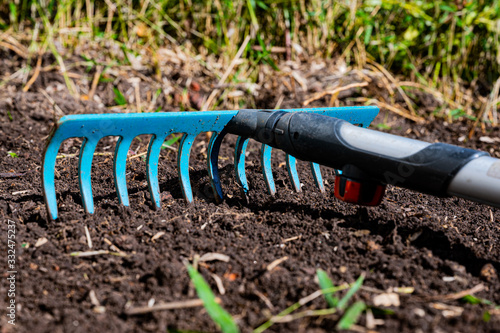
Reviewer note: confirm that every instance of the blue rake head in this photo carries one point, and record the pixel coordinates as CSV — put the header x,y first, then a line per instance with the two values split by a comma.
x,y
127,126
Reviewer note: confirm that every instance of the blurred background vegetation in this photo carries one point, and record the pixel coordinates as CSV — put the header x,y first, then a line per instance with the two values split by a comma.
x,y
455,39
439,44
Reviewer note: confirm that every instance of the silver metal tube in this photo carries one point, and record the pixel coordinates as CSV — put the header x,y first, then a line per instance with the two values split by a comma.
x,y
379,142
478,180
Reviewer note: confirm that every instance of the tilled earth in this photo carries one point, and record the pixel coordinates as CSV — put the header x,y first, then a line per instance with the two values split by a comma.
x,y
423,248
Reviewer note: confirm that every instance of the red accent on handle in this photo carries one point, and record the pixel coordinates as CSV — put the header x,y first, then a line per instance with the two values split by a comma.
x,y
360,193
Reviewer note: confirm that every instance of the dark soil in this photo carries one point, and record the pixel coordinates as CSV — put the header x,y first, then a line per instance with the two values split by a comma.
x,y
436,246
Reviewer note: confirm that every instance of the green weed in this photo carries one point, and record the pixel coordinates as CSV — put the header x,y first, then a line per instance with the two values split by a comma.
x,y
351,315
349,318
119,98
214,310
470,299
474,300
325,283
170,142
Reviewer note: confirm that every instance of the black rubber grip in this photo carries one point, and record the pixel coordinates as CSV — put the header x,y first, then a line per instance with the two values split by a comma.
x,y
318,138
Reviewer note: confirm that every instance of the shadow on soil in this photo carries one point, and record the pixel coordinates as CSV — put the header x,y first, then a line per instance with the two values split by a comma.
x,y
435,241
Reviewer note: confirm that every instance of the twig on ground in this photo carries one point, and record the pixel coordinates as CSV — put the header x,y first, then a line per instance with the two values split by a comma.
x,y
157,235
145,153
89,240
218,282
455,296
166,306
35,74
112,246
21,192
95,81
93,298
275,263
292,239
399,111
212,256
333,92
78,154
96,253
264,299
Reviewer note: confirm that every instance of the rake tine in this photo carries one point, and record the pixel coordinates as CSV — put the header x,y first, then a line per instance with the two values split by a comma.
x,y
316,172
213,166
84,172
48,170
183,165
265,160
152,158
119,168
239,163
291,165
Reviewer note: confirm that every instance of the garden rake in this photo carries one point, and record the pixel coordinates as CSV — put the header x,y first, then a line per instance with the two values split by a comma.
x,y
365,160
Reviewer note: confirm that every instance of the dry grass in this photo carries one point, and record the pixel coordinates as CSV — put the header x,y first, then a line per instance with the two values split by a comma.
x,y
404,52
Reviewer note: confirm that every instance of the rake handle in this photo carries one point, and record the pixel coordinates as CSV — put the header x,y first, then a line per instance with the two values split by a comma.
x,y
439,169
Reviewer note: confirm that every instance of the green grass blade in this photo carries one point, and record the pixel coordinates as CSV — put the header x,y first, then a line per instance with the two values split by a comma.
x,y
265,54
325,282
215,311
13,13
251,11
119,98
351,316
470,299
171,141
382,312
355,287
